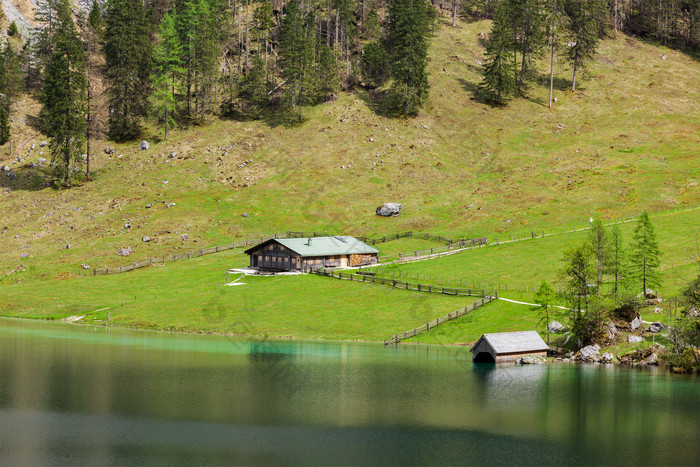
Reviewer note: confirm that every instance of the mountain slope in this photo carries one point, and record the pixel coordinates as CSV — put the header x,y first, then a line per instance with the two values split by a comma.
x,y
627,140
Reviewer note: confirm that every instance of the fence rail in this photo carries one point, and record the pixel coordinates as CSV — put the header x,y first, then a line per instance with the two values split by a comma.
x,y
193,254
448,249
418,287
396,338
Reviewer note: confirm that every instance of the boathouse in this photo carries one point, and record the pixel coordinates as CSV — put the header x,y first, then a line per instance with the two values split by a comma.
x,y
508,346
306,254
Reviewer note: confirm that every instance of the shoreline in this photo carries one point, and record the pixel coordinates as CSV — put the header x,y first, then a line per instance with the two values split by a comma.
x,y
659,364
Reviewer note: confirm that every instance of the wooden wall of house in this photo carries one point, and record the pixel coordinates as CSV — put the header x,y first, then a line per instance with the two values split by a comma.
x,y
274,256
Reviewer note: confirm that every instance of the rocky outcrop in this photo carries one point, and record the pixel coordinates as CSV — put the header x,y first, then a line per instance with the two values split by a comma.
x,y
606,357
531,360
389,209
590,353
635,323
634,339
656,327
555,327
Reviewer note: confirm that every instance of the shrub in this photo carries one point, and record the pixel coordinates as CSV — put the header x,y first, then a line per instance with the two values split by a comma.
x,y
13,30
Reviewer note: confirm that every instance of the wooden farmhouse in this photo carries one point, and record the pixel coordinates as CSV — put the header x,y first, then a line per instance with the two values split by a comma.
x,y
508,346
306,254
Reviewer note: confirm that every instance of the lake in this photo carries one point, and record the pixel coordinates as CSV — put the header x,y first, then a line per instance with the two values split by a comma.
x,y
74,394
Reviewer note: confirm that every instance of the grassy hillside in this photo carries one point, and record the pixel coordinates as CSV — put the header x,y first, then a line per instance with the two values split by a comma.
x,y
524,264
627,140
188,296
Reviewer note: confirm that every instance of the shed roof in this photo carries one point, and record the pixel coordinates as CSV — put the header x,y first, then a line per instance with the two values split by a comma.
x,y
514,342
323,246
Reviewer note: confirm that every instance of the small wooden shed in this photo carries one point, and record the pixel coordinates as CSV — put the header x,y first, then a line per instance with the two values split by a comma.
x,y
306,254
508,346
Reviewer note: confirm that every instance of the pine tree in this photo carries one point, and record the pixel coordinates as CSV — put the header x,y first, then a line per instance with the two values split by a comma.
x,y
598,240
326,72
544,297
127,52
45,15
167,72
10,86
617,263
295,56
205,49
13,30
187,23
644,257
374,64
582,32
4,125
63,95
372,29
95,19
499,69
408,29
254,85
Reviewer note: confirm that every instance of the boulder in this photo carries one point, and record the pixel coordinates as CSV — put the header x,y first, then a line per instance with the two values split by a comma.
x,y
41,161
648,294
84,266
124,251
656,327
555,327
24,255
531,360
5,168
389,209
652,359
658,310
694,312
43,144
145,238
634,339
245,214
590,353
109,150
184,237
144,145
612,330
148,206
636,322
172,155
606,357
127,225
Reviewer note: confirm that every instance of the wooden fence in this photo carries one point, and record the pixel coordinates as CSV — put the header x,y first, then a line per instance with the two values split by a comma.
x,y
253,242
396,338
428,253
193,254
418,287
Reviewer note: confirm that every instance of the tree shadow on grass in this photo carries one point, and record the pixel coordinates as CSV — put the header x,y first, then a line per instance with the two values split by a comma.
x,y
25,178
478,94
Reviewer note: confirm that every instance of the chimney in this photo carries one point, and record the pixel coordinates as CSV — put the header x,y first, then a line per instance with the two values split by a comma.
x,y
308,242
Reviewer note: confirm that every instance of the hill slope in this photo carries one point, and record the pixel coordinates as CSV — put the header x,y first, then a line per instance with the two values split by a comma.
x,y
627,140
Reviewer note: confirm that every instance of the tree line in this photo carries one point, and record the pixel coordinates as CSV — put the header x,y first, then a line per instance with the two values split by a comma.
x,y
181,61
670,22
603,279
178,62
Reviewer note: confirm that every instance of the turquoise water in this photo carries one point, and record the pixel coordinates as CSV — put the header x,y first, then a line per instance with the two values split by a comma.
x,y
82,395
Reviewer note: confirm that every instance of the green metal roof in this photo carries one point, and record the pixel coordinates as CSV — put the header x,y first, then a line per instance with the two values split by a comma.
x,y
327,246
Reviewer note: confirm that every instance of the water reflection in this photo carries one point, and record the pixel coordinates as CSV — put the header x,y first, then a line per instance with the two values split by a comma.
x,y
82,394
